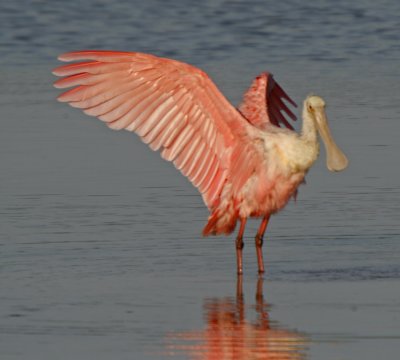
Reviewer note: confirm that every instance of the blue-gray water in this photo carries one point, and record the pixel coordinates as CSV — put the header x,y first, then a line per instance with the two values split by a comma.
x,y
100,249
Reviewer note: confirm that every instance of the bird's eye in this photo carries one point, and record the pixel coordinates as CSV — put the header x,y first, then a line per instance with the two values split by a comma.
x,y
310,108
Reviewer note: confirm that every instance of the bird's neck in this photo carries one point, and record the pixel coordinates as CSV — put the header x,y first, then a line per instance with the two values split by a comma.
x,y
309,141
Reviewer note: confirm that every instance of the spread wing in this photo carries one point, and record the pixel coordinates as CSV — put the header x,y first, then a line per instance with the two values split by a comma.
x,y
263,103
172,106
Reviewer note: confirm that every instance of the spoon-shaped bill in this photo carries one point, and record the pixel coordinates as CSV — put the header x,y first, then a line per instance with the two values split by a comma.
x,y
336,160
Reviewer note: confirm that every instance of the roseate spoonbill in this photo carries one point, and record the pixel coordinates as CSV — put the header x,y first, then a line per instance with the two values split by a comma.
x,y
241,160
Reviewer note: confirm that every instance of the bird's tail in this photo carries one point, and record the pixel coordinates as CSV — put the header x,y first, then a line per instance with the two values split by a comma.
x,y
221,221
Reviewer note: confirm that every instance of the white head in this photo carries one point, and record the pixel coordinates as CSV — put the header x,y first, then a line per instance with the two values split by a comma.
x,y
336,160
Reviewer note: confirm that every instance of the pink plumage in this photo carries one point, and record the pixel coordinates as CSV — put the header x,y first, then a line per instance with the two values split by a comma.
x,y
176,108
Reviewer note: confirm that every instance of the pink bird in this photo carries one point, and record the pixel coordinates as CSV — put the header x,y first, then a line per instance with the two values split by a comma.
x,y
242,162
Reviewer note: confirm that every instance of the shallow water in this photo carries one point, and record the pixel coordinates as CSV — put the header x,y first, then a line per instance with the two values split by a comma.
x,y
100,249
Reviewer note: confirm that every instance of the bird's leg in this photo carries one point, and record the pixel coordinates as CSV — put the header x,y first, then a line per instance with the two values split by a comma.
x,y
259,243
239,246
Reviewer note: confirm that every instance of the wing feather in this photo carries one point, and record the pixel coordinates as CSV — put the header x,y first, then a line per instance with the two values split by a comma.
x,y
262,103
191,168
171,152
176,125
140,112
206,181
129,115
168,123
215,186
202,167
190,157
98,67
113,109
174,107
153,114
107,96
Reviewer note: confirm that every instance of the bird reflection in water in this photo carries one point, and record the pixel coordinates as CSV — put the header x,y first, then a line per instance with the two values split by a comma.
x,y
230,334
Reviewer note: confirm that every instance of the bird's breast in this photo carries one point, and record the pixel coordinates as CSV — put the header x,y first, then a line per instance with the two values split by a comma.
x,y
292,154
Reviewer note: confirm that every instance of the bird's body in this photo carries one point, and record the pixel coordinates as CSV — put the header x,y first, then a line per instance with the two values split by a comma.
x,y
284,159
241,160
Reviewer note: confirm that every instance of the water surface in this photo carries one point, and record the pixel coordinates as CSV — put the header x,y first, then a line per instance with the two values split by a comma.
x,y
100,249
